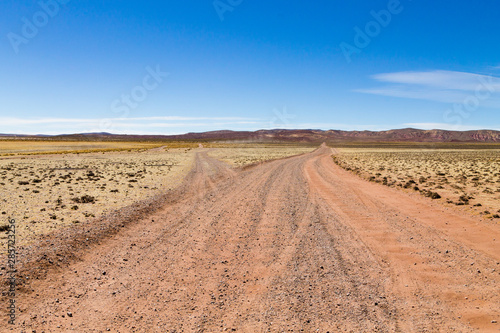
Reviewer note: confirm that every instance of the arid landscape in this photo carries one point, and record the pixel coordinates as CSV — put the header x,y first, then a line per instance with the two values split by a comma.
x,y
253,237
49,191
245,155
46,192
39,147
250,166
463,177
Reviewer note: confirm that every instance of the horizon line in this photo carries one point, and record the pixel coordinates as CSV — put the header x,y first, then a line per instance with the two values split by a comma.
x,y
250,131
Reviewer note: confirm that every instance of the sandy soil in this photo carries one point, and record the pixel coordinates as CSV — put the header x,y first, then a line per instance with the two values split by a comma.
x,y
42,192
292,245
461,177
242,156
34,147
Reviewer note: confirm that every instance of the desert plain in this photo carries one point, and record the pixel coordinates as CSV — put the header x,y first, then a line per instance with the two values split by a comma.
x,y
197,237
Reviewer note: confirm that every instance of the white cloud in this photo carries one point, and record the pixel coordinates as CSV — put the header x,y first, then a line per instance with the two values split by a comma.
x,y
440,79
9,121
153,125
170,125
173,125
444,96
440,86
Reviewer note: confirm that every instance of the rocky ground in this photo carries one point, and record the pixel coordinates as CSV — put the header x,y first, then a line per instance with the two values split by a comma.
x,y
48,192
462,177
243,156
295,245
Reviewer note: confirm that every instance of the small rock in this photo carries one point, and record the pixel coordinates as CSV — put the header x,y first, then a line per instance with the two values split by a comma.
x,y
70,314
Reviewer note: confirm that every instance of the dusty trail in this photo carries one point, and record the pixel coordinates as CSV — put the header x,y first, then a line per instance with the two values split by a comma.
x,y
292,245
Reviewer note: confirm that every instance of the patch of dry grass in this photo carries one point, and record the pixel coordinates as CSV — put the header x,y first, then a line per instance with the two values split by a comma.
x,y
250,154
459,177
45,192
40,147
22,147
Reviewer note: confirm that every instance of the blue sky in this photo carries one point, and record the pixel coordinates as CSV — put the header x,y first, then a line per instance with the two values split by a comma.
x,y
164,67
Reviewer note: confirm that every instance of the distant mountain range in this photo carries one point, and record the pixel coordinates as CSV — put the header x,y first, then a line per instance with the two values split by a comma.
x,y
284,135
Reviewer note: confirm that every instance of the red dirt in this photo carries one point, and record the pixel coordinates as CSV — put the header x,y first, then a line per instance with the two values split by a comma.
x,y
291,245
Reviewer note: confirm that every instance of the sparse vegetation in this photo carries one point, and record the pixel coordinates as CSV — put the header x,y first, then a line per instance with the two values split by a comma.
x,y
464,177
56,190
84,199
242,155
40,147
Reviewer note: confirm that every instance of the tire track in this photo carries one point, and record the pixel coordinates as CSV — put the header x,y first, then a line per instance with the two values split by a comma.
x,y
290,245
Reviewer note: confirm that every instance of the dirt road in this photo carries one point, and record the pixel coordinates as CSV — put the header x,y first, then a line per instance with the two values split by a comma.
x,y
294,245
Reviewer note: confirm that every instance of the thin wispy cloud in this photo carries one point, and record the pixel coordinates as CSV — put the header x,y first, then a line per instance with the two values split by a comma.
x,y
168,125
439,79
8,121
121,125
440,86
422,93
173,125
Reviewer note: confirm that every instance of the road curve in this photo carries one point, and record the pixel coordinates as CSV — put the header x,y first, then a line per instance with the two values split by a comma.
x,y
292,245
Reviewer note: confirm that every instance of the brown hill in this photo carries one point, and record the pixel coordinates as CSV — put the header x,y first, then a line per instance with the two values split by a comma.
x,y
305,135
399,135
